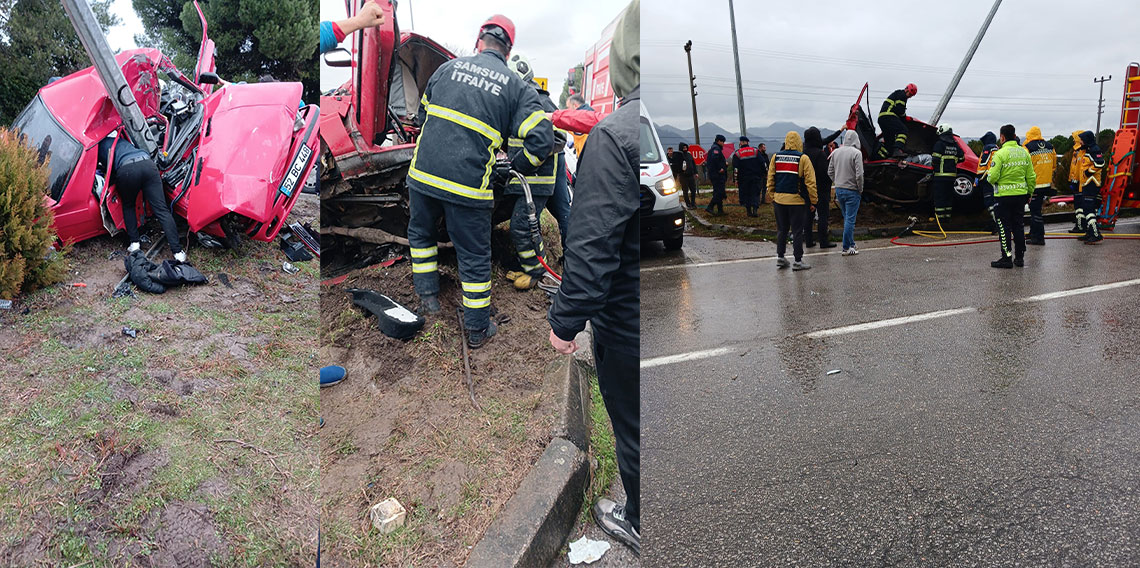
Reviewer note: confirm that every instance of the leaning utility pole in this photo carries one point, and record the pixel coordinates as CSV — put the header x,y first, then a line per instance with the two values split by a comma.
x,y
693,91
1100,101
91,36
736,59
962,68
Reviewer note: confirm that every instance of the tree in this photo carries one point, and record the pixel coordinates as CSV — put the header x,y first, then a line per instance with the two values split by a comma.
x,y
976,146
39,43
1061,144
25,221
252,37
575,81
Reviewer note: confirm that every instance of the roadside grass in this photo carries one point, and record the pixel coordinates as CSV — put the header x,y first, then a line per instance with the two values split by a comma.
x,y
602,446
86,400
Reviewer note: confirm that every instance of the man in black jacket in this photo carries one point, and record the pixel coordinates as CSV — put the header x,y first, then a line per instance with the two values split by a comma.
x,y
687,171
816,151
601,280
749,169
717,166
133,172
471,106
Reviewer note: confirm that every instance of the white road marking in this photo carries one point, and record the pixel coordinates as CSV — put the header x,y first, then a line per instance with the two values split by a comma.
x,y
887,322
691,356
753,259
694,355
1077,291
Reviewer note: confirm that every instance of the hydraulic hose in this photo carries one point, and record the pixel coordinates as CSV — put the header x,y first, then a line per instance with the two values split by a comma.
x,y
532,221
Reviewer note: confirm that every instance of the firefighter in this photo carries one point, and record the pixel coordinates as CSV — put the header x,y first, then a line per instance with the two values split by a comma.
x,y
892,118
470,107
748,169
716,165
1089,169
989,145
541,183
1074,182
1011,174
1044,160
791,181
946,155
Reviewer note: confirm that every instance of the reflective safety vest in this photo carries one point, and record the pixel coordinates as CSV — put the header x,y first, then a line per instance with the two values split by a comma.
x,y
1044,161
1011,171
1090,168
894,105
469,109
786,164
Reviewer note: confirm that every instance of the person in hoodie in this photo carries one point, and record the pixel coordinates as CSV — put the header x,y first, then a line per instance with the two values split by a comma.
x,y
946,155
815,147
791,181
1090,166
601,282
989,146
1044,159
845,168
688,175
717,166
1074,182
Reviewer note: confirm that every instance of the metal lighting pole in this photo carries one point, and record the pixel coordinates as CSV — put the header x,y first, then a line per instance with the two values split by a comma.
x,y
693,90
109,72
1100,101
736,59
962,68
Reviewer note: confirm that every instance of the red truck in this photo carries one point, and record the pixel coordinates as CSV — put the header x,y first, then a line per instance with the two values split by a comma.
x,y
1122,183
232,159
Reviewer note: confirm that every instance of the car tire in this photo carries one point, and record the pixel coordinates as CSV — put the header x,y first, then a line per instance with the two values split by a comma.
x,y
674,244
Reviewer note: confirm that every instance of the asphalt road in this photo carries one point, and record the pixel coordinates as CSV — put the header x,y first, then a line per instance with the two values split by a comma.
x,y
996,426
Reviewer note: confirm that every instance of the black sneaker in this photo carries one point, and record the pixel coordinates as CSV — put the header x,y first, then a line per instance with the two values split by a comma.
x,y
1004,262
429,304
479,338
611,519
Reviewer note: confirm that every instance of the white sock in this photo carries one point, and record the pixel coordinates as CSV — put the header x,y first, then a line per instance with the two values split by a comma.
x,y
133,247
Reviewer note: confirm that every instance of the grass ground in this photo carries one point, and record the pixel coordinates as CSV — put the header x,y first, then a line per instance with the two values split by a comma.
x,y
191,444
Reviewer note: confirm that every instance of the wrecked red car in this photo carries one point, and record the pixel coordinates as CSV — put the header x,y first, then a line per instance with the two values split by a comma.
x,y
232,159
905,182
368,135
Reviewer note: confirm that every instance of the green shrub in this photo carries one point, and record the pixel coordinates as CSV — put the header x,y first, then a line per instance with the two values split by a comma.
x,y
26,232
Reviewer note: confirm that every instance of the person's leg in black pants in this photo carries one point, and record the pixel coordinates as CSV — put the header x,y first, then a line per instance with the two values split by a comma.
x,y
807,231
823,210
1017,226
1003,211
128,194
799,226
1036,220
783,225
143,176
619,380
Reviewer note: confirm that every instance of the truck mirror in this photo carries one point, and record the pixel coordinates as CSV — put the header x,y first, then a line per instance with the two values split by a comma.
x,y
208,78
339,57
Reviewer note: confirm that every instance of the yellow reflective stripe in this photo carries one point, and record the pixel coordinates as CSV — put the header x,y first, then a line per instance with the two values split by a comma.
x,y
530,267
476,303
450,186
424,101
514,143
530,122
466,121
424,252
529,253
534,160
535,179
422,267
476,287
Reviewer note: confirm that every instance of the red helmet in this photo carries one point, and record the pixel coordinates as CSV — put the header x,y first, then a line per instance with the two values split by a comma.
x,y
501,27
911,90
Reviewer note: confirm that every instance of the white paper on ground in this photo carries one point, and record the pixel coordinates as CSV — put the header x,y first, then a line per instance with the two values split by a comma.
x,y
586,551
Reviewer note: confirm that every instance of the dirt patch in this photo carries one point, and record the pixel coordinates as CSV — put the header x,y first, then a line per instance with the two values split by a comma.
x,y
186,537
402,424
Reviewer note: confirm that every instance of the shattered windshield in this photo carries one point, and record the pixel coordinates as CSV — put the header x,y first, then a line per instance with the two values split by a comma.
x,y
52,142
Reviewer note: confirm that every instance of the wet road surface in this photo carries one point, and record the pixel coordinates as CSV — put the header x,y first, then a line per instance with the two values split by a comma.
x,y
1001,427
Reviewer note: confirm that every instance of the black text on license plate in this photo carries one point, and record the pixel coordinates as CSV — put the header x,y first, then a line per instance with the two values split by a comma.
x,y
295,171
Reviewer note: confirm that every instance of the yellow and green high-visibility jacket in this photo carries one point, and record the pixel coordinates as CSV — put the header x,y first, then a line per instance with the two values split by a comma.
x,y
1011,171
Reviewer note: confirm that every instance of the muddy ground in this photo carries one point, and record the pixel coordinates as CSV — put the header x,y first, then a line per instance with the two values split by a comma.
x,y
192,444
402,424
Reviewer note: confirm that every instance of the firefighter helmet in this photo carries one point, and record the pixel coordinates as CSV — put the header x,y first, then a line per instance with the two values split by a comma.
x,y
521,66
911,90
944,129
501,27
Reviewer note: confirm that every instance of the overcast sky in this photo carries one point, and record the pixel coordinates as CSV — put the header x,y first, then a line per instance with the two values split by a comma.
x,y
554,36
122,36
805,62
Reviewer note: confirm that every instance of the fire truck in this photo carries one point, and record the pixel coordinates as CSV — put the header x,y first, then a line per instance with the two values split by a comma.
x,y
1122,187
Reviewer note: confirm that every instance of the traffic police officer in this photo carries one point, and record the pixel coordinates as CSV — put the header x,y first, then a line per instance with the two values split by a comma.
x,y
891,117
1011,174
470,107
946,155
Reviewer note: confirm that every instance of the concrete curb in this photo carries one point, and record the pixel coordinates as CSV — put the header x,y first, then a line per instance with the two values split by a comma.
x,y
533,525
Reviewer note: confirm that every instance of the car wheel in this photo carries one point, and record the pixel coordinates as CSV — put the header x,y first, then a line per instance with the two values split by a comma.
x,y
674,244
963,186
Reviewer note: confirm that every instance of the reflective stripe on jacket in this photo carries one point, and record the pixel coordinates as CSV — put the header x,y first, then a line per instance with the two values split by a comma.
x,y
1011,171
946,155
895,104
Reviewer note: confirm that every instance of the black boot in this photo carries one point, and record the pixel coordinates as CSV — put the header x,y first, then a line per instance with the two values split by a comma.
x,y
1019,261
1003,262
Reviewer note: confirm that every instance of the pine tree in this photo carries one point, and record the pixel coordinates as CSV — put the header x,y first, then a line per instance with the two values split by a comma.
x,y
26,235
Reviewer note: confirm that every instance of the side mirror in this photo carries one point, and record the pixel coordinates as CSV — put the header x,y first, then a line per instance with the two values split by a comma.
x,y
339,57
209,78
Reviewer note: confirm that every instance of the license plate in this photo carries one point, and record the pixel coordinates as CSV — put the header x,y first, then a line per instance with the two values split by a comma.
x,y
295,171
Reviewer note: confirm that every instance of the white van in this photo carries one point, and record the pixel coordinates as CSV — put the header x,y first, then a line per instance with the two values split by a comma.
x,y
662,218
